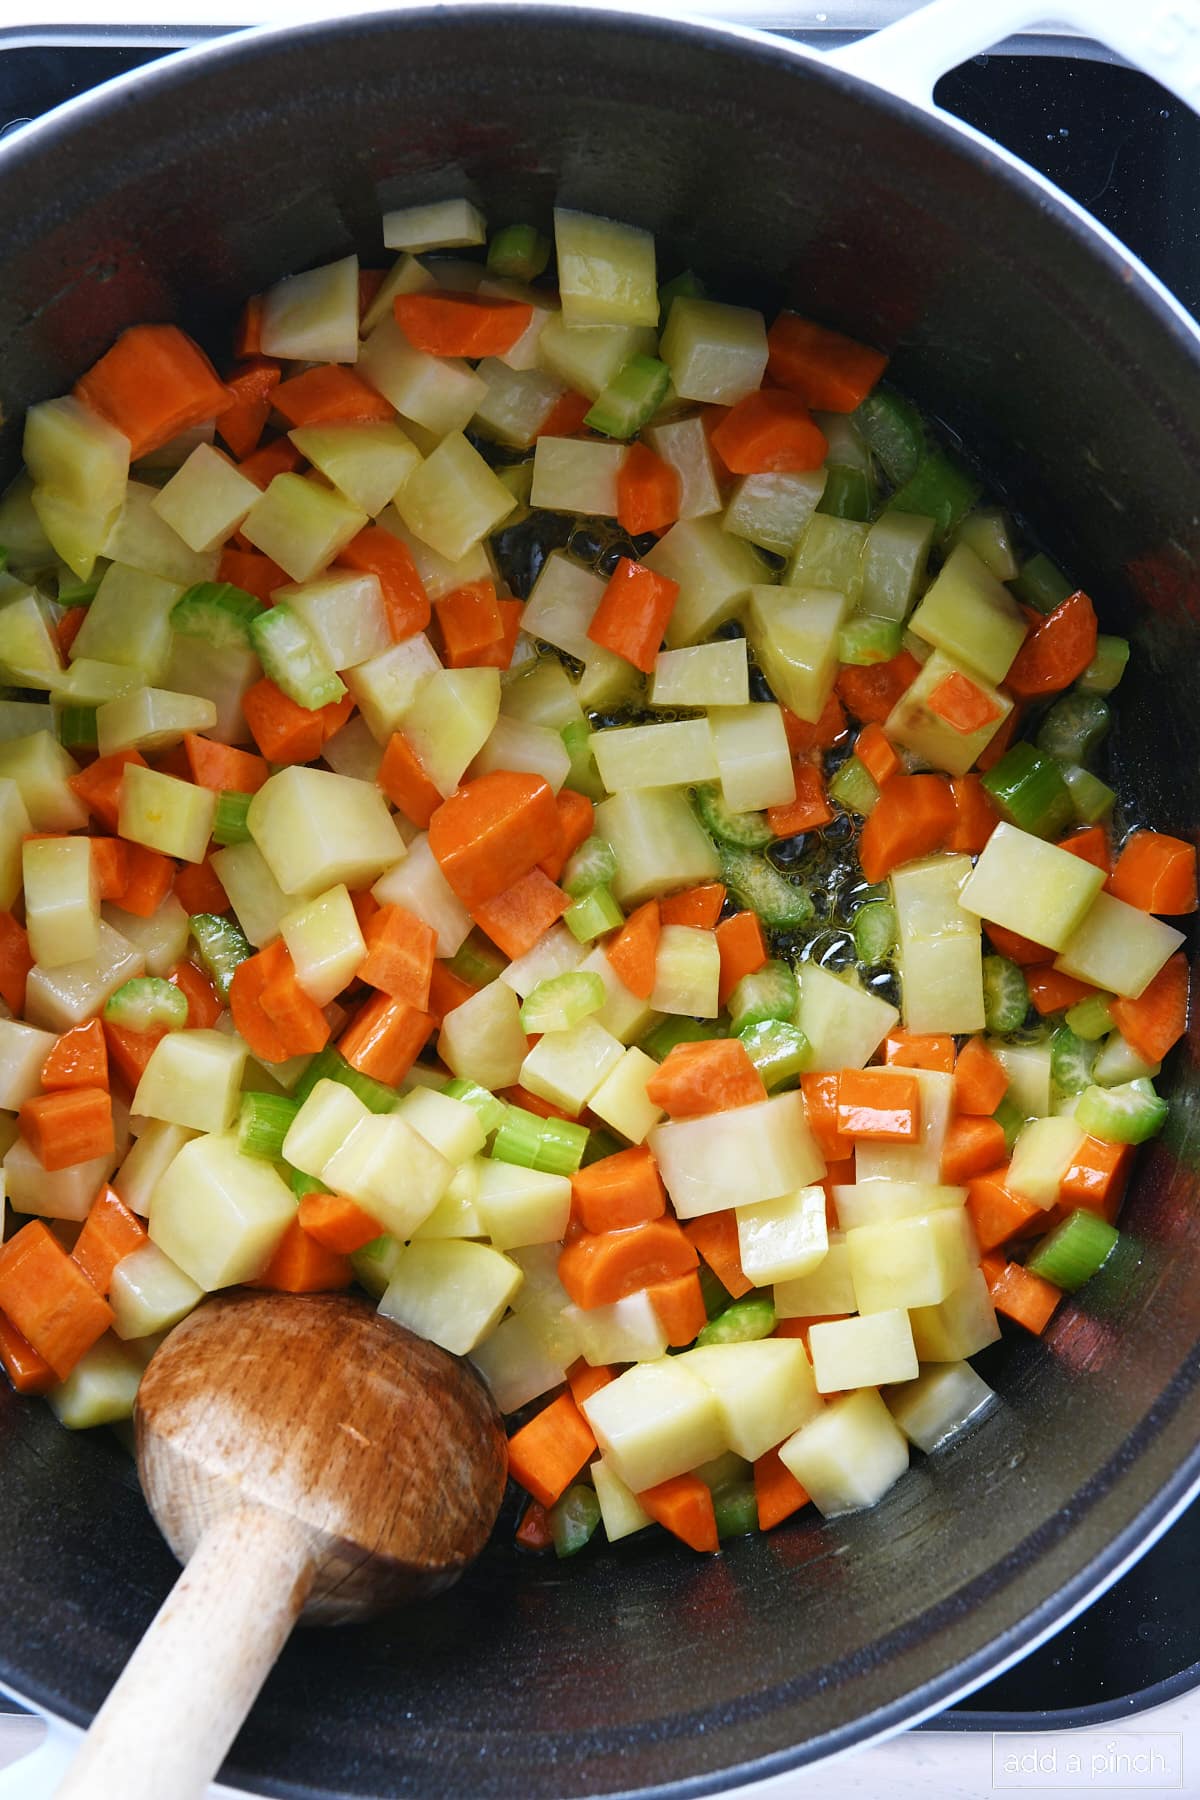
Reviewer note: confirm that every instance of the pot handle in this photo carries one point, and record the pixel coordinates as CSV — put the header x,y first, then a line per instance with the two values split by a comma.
x,y
37,1776
1159,37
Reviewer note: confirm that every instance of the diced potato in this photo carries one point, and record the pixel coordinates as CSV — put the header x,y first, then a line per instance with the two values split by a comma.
x,y
450,720
101,1388
627,1331
325,943
222,675
482,1039
515,744
437,225
737,1158
794,633
141,540
28,545
562,603
913,725
882,1161
453,499
566,1067
23,1050
79,464
938,1404
829,556
40,768
621,1512
149,1293
451,1291
576,475
385,686
193,1078
773,510
621,1099
959,1326
941,961
702,675
344,611
587,360
544,694
368,461
146,1162
658,842
655,756
353,751
316,830
439,574
449,1125
656,1421
1116,946
62,900
606,270
53,1193
1028,1069
827,1291
715,572
417,883
392,1172
518,402
259,903
687,972
716,353
150,719
915,1261
783,1239
1118,1061
167,814
301,525
1042,1154
219,1215
880,1202
1034,888
15,827
753,757
522,1206
313,317
128,622
849,1455
893,563
683,444
624,1013
764,1390
972,616
555,953
58,998
862,1352
325,1120
844,1025
29,654
206,499
515,1365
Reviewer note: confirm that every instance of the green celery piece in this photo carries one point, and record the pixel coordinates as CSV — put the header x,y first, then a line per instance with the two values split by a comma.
x,y
1005,995
302,1184
1041,584
263,1122
940,489
687,286
554,1146
892,427
147,1003
748,831
779,1051
221,945
1011,1121
1091,798
1129,1113
863,640
771,992
1072,1060
716,1295
229,821
736,1509
631,398
1091,1018
1074,1251
853,789
592,914
491,1111
573,1519
330,1065
1106,668
1030,791
217,612
780,904
77,728
78,593
476,961
562,1001
676,1029
742,1322
3,557
1075,727
592,865
848,493
518,253
292,658
601,1143
874,928
583,775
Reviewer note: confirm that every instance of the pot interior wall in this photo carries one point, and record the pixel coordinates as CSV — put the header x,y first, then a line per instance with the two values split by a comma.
x,y
1079,393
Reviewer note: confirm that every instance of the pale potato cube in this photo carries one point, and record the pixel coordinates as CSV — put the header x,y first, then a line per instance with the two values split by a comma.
x,y
15,827
849,1455
1028,1069
129,622
576,475
515,744
301,525
522,1206
101,1388
959,1326
391,1171
219,1215
56,999
555,953
41,768
566,1067
606,270
624,1013
326,1118
435,394
449,1125
23,1050
562,604
916,1261
941,961
655,1421
150,719
436,225
655,756
515,1365
922,1161
313,317
141,540
317,830
456,1214
621,1099
1117,947
53,1193
482,1040
702,675
687,972
716,353
658,843
368,462
451,1291
325,943
621,1512
193,1078
450,720
1033,888
753,758
938,1404
1042,1154
914,725
259,903
764,1390
794,633
844,1025
862,1352
968,613
147,1161
418,884
166,814
774,510
737,1158
344,612
627,1331
385,686
783,1239
149,1293
683,443
715,572
824,1293
453,499
880,1202
206,499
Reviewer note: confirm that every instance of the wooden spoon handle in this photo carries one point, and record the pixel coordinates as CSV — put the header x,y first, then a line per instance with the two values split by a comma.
x,y
188,1686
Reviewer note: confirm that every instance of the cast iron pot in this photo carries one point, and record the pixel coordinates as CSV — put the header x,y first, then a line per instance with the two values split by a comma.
x,y
1077,384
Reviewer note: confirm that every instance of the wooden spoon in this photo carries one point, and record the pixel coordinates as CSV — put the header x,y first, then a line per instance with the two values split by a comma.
x,y
301,1455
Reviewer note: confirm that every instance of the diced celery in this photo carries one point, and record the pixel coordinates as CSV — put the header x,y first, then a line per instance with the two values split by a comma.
x,y
1108,665
1030,792
1035,889
573,1519
737,1158
453,499
576,476
313,317
779,1051
1126,1114
849,1454
1091,799
830,555
554,1146
1041,584
165,813
853,789
293,657
631,399
893,428
229,824
147,1003
264,1121
716,353
769,993
715,572
301,525
794,634
1074,727
518,251
1074,1251
774,510
1072,1060
863,640
940,488
844,1025
562,1001
848,492
1091,1018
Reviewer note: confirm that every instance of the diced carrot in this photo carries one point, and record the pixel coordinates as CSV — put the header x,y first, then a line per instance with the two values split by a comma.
x,y
461,324
742,949
546,1454
204,1008
403,779
446,991
247,333
303,1265
1004,735
1096,1178
69,627
500,654
222,767
600,1267
619,1190
648,491
172,761
714,1075
15,963
1157,1019
49,1299
980,1079
1057,650
566,416
820,1092
876,753
148,881
294,1015
469,622
110,1233
576,816
280,457
28,1372
251,571
1091,844
879,1104
809,811
110,861
715,1236
337,1222
328,394
1156,873
584,1380
830,729
198,889
975,816
1018,949
534,1532
918,1050
334,716
870,690
1020,1294
493,830
153,384
283,731
385,1038
79,1059
99,785
633,951
130,1051
1050,990
699,907
972,1146
962,704
912,817
517,918
633,613
684,1507
829,371
679,1305
996,1212
400,955
769,432
250,981
776,1491
70,1126
535,1103
252,384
